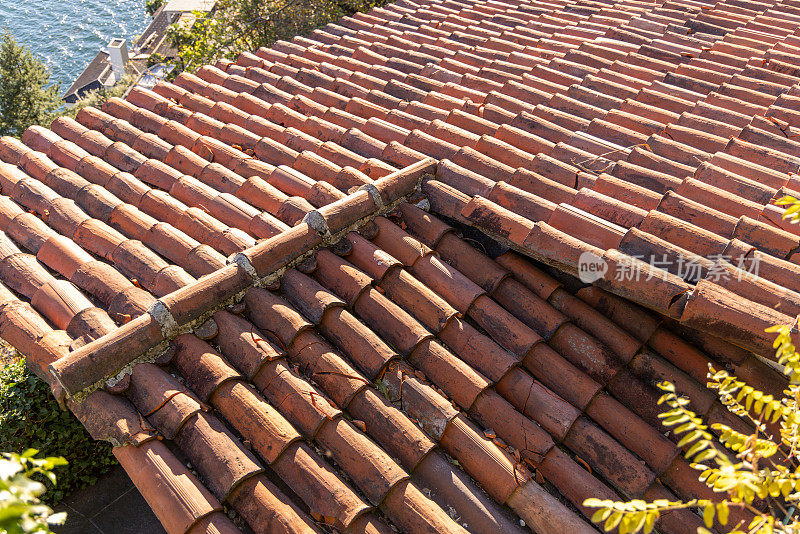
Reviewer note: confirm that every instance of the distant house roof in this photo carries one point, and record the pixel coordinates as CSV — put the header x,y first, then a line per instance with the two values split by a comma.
x,y
152,40
153,36
336,283
92,77
173,6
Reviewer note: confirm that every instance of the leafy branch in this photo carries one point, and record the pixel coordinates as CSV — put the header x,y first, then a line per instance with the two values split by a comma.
x,y
747,470
741,474
21,511
698,435
792,213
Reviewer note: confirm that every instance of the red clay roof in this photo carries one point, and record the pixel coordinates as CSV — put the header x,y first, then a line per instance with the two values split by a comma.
x,y
258,282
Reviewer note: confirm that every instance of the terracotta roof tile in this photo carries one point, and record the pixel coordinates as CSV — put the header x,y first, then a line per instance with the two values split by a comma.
x,y
620,129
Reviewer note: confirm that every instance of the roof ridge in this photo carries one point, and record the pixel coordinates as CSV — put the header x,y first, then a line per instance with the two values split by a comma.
x,y
144,337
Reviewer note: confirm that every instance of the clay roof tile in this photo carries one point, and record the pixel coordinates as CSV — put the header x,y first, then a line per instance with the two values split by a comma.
x,y
561,130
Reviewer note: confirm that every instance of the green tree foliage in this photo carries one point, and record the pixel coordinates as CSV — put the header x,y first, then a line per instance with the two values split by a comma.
x,y
739,468
97,97
31,417
151,6
26,95
21,510
245,25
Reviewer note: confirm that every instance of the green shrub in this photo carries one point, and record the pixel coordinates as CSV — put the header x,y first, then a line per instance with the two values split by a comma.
x,y
97,97
21,509
151,6
31,418
155,58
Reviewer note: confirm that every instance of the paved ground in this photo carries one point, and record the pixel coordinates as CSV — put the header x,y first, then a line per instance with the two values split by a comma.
x,y
112,506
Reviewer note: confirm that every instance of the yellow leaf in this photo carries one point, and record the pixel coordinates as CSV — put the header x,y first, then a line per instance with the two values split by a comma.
x,y
786,199
705,455
794,208
722,513
688,438
638,521
650,522
708,515
694,449
612,521
600,515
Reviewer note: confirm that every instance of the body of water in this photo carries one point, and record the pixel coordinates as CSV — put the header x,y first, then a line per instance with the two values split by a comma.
x,y
67,34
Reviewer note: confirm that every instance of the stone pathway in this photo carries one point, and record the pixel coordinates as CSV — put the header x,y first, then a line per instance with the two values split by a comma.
x,y
112,506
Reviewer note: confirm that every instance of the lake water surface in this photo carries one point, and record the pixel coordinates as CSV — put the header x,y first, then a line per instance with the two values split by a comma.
x,y
67,34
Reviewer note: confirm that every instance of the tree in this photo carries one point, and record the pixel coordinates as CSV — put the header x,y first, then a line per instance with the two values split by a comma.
x,y
151,6
738,467
26,95
21,511
245,25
